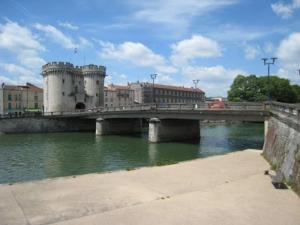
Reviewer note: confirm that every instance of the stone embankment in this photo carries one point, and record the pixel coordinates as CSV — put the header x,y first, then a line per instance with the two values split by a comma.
x,y
44,125
282,142
228,189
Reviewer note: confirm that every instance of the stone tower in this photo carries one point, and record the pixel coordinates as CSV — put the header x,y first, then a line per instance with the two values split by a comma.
x,y
68,88
94,84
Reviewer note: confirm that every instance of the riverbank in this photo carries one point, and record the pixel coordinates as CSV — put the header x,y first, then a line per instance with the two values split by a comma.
x,y
227,189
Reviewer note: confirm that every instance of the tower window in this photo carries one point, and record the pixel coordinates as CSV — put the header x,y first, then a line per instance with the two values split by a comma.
x,y
97,82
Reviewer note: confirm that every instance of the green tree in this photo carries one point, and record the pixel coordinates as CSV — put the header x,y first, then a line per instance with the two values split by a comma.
x,y
246,89
297,91
255,89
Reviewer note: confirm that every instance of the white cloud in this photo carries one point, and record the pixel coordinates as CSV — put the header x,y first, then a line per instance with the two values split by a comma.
x,y
68,25
56,36
22,74
285,10
215,80
288,53
136,53
85,43
269,48
21,42
195,47
251,51
6,80
175,13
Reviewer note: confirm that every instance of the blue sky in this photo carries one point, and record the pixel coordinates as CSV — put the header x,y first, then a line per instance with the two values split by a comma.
x,y
209,40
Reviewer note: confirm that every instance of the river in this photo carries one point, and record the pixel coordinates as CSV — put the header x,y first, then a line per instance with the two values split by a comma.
x,y
26,157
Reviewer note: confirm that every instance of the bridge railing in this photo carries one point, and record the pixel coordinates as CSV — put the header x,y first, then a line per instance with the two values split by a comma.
x,y
286,108
200,106
162,106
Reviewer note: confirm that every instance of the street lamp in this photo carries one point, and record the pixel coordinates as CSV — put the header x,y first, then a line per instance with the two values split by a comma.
x,y
153,77
196,82
267,62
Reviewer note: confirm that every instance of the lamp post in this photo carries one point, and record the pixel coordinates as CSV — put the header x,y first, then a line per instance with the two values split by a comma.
x,y
153,77
268,62
195,83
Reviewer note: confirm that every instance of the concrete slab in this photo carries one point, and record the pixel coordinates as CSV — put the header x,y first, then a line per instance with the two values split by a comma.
x,y
10,212
227,189
240,202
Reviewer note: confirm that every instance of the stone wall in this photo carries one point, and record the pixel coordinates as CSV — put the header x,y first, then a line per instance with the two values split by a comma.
x,y
44,125
282,147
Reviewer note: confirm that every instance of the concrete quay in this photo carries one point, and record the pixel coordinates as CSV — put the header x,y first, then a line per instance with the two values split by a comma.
x,y
227,189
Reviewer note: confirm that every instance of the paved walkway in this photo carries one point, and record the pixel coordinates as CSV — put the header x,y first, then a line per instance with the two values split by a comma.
x,y
229,189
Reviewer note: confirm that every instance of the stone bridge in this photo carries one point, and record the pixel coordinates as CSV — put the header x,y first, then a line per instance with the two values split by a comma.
x,y
173,121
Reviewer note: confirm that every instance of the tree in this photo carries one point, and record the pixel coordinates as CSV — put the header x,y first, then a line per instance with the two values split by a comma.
x,y
246,89
255,89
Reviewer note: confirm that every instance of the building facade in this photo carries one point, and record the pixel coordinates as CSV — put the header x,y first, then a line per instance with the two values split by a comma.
x,y
20,98
117,95
68,88
145,93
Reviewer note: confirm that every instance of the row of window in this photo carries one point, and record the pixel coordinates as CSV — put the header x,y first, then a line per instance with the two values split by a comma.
x,y
177,93
19,97
18,106
167,100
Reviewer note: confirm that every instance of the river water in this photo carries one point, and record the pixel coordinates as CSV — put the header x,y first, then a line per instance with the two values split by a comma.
x,y
26,157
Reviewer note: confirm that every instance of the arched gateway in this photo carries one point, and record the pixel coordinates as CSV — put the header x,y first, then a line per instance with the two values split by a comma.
x,y
80,105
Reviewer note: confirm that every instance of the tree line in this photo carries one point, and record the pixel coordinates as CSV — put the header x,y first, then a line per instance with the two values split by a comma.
x,y
255,89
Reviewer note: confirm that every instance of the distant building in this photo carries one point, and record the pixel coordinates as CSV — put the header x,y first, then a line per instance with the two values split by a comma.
x,y
20,98
67,88
220,99
117,95
143,93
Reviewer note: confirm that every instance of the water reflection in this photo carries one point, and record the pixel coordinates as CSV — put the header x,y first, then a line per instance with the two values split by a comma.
x,y
36,156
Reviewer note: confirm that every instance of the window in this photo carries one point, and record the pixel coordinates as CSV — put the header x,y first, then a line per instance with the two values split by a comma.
x,y
96,94
9,105
36,98
63,93
97,82
16,97
36,105
9,97
63,81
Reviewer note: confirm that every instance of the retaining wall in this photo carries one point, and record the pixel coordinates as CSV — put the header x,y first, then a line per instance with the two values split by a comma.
x,y
282,147
44,125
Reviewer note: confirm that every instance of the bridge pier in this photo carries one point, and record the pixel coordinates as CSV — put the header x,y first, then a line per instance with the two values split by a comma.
x,y
118,126
163,130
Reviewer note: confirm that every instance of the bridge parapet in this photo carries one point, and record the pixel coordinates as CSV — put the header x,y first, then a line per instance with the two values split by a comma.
x,y
291,110
201,106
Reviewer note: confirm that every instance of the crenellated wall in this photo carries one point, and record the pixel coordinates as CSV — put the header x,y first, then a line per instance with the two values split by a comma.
x,y
282,142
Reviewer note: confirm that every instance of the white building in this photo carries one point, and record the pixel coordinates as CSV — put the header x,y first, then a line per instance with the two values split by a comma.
x,y
67,88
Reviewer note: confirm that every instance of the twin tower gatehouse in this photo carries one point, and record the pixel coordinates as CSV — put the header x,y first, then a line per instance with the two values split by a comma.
x,y
68,87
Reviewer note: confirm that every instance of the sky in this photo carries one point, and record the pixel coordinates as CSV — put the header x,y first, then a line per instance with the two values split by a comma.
x,y
181,40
